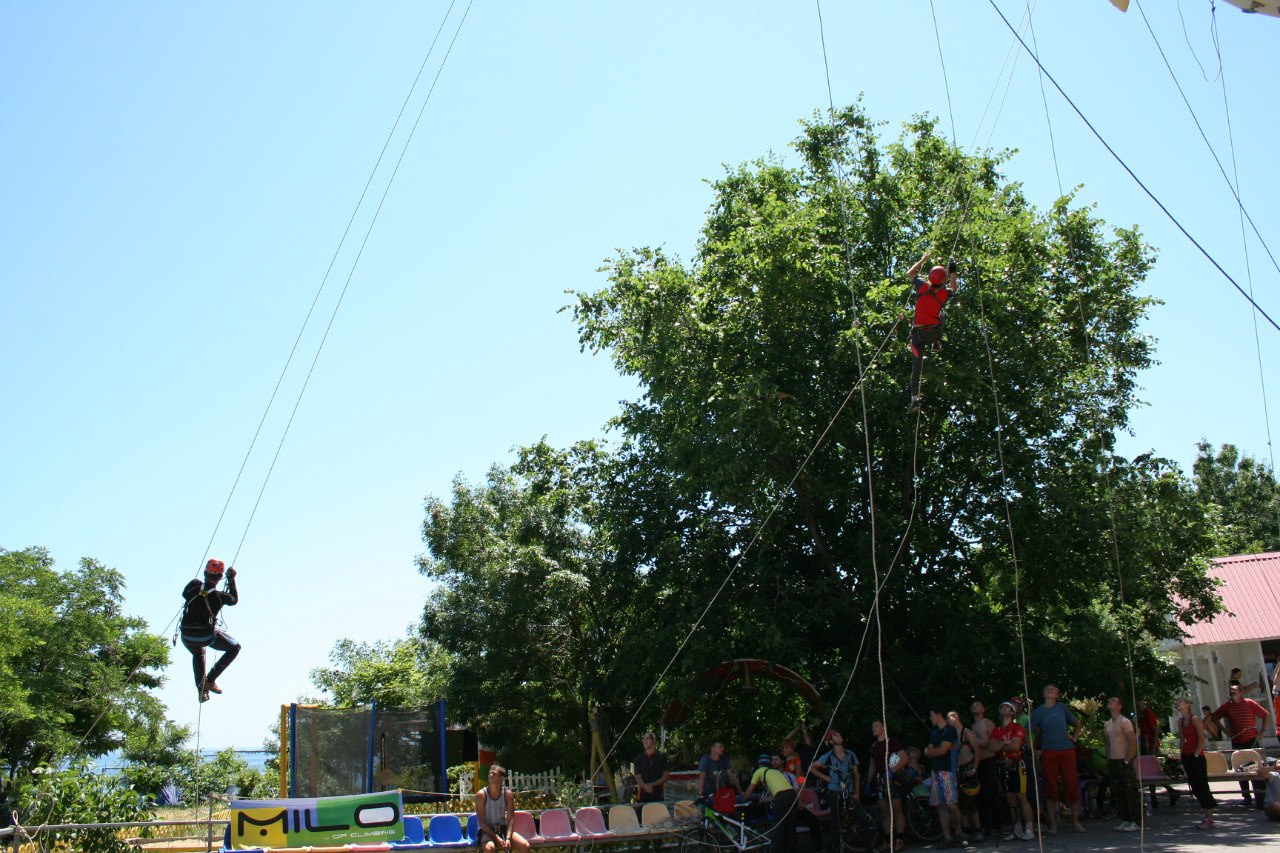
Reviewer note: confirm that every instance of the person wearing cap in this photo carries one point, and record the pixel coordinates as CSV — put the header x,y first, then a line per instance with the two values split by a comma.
x,y
1008,741
199,626
651,771
1242,717
926,328
838,769
782,794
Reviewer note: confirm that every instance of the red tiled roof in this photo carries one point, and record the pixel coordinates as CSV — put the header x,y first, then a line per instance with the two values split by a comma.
x,y
1251,594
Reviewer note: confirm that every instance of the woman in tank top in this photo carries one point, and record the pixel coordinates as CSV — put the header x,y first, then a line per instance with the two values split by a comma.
x,y
495,810
1192,741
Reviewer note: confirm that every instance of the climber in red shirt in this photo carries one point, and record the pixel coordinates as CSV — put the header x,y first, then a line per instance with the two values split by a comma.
x,y
926,329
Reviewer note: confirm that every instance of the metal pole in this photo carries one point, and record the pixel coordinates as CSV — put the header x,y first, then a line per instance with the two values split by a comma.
x,y
373,723
284,751
293,750
444,746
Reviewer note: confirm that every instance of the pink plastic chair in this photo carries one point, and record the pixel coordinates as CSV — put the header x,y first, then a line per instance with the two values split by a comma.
x,y
555,829
589,823
809,799
524,824
1148,768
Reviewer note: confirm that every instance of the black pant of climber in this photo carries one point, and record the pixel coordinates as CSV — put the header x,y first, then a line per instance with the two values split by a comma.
x,y
221,641
921,338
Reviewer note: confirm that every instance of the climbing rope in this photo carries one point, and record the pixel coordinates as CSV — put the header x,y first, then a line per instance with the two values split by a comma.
x,y
351,273
976,275
319,290
755,537
1168,213
1106,460
1244,242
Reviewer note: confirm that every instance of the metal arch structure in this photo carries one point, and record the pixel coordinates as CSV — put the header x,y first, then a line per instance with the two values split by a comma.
x,y
748,671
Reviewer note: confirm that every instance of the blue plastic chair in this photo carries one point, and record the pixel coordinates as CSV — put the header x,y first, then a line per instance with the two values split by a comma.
x,y
473,830
445,830
414,838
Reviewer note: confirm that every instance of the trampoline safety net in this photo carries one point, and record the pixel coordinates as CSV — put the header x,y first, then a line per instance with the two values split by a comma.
x,y
341,751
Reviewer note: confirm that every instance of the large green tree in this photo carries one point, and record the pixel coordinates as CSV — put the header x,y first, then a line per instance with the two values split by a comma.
x,y
1242,494
745,353
75,670
530,602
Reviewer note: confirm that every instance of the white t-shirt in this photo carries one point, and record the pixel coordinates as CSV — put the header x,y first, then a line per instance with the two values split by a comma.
x,y
1118,730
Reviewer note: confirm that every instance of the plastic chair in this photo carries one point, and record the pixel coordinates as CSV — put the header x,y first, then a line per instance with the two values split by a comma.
x,y
473,829
414,836
1241,757
1216,762
623,821
555,829
656,817
589,823
809,799
1148,768
445,830
524,825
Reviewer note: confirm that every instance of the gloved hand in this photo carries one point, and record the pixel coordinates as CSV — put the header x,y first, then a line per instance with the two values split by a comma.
x,y
952,269
231,573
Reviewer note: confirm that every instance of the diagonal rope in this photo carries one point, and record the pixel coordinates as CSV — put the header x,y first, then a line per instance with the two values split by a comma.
x,y
354,265
1231,185
1130,171
1244,241
323,282
755,537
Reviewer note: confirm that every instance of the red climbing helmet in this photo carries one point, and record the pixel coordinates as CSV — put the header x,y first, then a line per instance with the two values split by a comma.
x,y
214,567
937,275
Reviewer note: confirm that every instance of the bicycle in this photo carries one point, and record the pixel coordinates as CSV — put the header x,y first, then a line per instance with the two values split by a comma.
x,y
922,818
718,831
858,829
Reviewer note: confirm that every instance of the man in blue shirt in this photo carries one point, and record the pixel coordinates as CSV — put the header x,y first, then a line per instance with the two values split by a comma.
x,y
1058,755
714,771
944,744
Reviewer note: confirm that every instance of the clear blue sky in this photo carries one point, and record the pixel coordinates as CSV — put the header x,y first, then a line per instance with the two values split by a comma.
x,y
177,178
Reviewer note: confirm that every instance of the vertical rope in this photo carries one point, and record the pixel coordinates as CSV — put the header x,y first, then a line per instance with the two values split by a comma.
x,y
995,395
1244,242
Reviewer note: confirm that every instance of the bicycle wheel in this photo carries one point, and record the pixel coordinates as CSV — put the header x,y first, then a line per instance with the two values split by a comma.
x,y
922,820
703,838
858,829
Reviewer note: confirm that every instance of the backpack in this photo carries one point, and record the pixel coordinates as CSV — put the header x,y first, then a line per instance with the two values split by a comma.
x,y
725,801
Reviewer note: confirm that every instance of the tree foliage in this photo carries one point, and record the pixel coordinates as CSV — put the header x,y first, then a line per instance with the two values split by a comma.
x,y
530,600
407,672
1011,543
1243,495
79,794
74,668
745,353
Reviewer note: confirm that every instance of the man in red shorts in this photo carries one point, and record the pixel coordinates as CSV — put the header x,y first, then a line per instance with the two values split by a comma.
x,y
1058,756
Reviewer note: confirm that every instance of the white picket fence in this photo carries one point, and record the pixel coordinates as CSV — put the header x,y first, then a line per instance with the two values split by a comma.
x,y
547,783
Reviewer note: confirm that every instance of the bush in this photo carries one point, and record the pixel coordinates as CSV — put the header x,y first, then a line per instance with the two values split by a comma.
x,y
79,794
